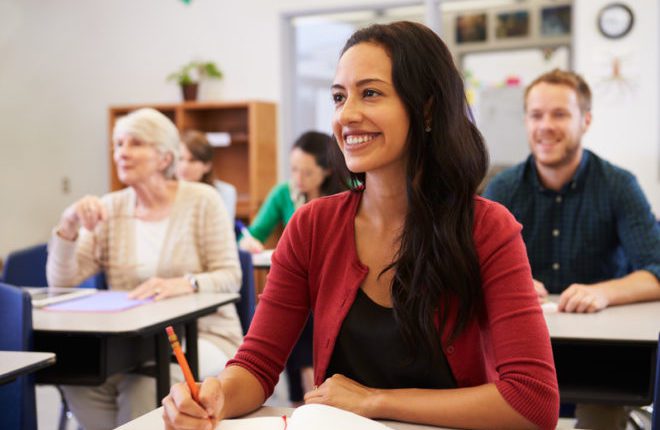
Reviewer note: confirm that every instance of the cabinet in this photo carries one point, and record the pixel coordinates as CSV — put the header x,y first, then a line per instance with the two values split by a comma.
x,y
249,162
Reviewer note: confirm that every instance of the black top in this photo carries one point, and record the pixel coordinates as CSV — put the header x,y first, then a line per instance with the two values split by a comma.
x,y
371,351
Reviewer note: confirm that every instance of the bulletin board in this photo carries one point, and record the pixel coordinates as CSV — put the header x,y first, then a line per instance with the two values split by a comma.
x,y
495,82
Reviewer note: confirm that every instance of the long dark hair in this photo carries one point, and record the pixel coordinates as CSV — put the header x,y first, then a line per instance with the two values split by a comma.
x,y
325,153
436,264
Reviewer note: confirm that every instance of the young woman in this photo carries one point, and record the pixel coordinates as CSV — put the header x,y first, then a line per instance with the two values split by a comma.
x,y
424,308
196,165
312,176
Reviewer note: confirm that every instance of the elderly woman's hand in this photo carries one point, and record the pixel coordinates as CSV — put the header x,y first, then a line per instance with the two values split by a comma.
x,y
160,288
88,212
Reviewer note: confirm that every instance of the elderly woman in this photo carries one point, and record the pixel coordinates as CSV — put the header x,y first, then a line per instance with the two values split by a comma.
x,y
158,238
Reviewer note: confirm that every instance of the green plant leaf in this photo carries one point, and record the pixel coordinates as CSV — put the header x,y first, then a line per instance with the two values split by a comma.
x,y
194,71
211,70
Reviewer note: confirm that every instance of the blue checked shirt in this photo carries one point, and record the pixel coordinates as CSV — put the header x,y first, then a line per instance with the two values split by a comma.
x,y
598,227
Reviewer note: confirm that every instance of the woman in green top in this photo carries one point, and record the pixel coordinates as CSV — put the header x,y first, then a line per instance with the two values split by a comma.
x,y
311,177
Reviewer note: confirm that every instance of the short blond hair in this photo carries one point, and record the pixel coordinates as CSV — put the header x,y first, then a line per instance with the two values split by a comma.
x,y
568,79
150,125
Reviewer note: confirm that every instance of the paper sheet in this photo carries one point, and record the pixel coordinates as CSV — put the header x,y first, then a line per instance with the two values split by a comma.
x,y
262,259
549,307
102,301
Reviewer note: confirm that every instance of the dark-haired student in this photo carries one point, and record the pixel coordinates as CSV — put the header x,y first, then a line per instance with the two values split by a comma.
x,y
424,308
312,176
196,165
589,230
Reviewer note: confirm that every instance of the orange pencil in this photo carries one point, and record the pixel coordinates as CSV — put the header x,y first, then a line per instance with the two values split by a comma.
x,y
183,363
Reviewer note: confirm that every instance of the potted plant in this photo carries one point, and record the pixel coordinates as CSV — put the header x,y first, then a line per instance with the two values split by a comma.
x,y
189,76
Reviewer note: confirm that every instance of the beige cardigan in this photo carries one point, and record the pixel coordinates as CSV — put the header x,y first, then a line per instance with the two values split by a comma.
x,y
199,240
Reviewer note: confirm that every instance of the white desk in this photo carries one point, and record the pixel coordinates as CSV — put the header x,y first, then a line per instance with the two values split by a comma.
x,y
91,346
639,322
153,420
261,260
17,363
607,357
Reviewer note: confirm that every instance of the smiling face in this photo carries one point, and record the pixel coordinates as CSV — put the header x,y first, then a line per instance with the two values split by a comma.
x,y
370,121
555,125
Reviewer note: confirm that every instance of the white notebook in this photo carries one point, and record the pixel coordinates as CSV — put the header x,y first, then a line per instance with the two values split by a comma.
x,y
307,417
47,296
262,259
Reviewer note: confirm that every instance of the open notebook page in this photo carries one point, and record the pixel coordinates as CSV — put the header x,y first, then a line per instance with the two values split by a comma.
x,y
307,417
262,259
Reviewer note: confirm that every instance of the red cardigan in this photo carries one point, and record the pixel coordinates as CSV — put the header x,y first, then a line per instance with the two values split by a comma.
x,y
316,267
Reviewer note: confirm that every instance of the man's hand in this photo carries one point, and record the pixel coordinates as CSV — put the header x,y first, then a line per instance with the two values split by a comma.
x,y
540,290
582,298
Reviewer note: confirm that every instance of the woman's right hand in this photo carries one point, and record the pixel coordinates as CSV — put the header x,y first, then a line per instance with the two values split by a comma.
x,y
88,212
181,411
250,244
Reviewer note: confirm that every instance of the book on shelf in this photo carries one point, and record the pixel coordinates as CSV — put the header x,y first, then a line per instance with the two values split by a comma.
x,y
218,138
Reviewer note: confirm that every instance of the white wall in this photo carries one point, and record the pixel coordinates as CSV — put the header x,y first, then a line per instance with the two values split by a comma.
x,y
62,63
626,113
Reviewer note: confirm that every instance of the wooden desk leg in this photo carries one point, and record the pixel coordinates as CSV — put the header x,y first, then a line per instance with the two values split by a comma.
x,y
162,366
191,348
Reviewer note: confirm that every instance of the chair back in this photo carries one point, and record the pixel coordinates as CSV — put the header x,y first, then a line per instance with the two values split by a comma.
x,y
17,398
656,396
27,267
248,302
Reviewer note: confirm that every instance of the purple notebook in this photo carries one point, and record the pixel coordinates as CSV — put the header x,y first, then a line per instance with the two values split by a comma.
x,y
102,301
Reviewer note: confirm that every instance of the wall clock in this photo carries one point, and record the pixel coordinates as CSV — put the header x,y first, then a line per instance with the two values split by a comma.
x,y
615,20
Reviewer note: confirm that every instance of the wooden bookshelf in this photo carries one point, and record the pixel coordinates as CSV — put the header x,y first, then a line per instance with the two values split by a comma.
x,y
249,162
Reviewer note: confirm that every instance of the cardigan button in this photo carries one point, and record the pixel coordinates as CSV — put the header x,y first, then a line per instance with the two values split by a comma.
x,y
450,349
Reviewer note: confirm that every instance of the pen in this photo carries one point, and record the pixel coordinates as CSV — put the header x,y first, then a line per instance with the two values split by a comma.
x,y
183,363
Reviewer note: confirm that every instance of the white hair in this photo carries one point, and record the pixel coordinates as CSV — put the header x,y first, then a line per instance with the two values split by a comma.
x,y
151,126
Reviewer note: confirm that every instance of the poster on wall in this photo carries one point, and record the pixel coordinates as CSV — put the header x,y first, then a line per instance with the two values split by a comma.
x,y
556,21
471,28
512,24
